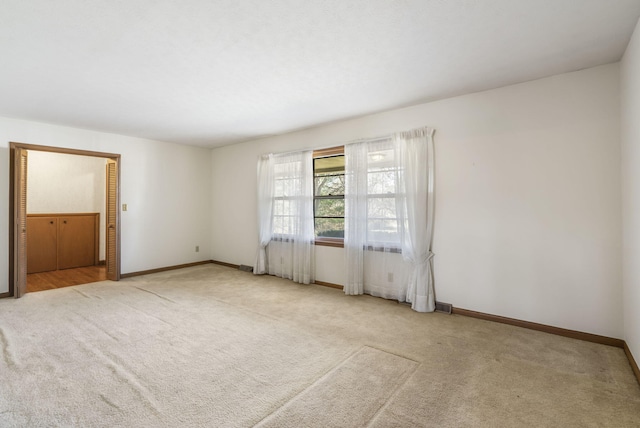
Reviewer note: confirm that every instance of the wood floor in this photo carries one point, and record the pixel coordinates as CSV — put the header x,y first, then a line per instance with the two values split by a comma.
x,y
65,278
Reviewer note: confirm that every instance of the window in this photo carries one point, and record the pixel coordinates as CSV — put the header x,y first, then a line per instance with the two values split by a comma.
x,y
292,196
383,209
284,201
375,196
381,176
328,195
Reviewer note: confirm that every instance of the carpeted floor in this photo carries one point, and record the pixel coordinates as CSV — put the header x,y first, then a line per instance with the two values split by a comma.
x,y
213,346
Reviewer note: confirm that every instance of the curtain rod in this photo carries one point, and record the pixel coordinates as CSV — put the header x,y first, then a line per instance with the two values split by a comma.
x,y
360,140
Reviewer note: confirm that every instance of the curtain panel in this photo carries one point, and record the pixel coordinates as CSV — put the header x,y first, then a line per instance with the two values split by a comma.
x,y
389,218
265,208
285,210
417,181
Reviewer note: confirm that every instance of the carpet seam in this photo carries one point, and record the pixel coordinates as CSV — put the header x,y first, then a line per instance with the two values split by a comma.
x,y
325,374
394,394
154,293
392,353
128,377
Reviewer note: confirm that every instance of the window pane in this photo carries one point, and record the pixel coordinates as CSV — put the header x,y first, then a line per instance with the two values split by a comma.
x,y
330,227
382,208
379,230
285,224
329,181
329,185
329,208
382,182
278,207
278,225
287,187
329,176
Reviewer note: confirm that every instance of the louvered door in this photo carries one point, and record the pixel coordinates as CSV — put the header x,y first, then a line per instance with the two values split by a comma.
x,y
20,207
113,268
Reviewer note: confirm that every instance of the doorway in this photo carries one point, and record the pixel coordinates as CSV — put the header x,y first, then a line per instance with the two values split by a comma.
x,y
18,209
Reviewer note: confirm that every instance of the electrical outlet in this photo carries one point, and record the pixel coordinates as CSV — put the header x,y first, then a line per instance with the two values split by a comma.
x,y
124,207
197,248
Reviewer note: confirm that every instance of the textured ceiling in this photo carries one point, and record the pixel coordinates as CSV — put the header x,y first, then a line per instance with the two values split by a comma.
x,y
215,72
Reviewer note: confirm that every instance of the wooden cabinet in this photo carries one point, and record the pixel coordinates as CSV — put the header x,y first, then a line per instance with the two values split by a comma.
x,y
42,241
76,241
62,241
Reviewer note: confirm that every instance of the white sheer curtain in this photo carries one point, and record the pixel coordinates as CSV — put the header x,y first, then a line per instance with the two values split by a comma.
x,y
355,229
265,215
286,216
416,150
389,218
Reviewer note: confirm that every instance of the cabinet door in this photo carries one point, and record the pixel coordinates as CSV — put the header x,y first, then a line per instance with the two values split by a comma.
x,y
76,241
41,244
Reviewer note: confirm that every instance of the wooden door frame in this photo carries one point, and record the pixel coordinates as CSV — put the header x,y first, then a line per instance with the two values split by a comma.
x,y
12,213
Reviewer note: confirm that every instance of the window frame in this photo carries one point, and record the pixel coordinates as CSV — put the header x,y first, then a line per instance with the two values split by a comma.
x,y
325,153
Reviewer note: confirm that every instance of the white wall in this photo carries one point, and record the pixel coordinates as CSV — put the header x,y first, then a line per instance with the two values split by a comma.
x,y
528,195
630,89
61,183
167,188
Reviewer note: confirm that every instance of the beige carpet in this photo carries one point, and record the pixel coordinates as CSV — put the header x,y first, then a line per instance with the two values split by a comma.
x,y
212,346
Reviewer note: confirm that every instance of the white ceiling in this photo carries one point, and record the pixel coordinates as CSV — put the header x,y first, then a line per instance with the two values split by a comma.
x,y
215,72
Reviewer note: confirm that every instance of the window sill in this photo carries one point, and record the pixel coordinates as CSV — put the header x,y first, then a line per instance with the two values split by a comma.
x,y
330,242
